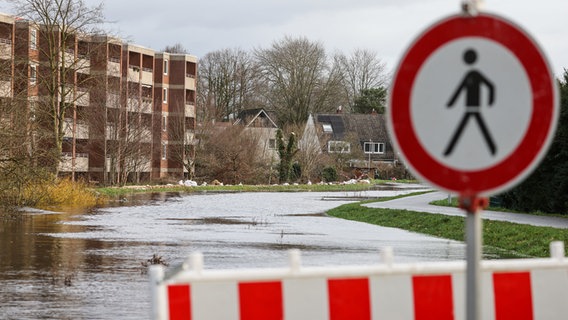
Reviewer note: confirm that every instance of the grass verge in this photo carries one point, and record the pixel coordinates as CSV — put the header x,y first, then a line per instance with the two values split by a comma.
x,y
504,239
454,203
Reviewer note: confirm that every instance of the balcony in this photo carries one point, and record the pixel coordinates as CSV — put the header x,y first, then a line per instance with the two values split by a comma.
x,y
69,59
113,100
146,135
113,68
147,76
136,105
133,105
81,129
145,164
134,74
139,163
66,95
80,96
189,83
189,138
5,88
146,105
5,49
84,65
81,162
83,97
110,132
189,111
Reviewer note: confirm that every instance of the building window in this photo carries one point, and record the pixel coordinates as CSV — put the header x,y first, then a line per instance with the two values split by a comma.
x,y
33,109
338,147
164,123
327,127
164,151
374,147
272,144
33,39
33,74
165,100
165,66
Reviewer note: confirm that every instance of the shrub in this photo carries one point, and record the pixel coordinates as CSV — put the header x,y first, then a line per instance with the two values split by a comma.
x,y
296,172
329,174
62,193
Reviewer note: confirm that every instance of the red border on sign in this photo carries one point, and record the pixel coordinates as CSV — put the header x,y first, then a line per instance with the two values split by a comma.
x,y
539,131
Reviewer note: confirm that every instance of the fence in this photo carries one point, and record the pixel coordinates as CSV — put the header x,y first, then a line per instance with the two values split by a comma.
x,y
511,289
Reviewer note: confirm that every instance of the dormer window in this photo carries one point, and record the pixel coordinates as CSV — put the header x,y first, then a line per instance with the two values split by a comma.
x,y
327,127
374,147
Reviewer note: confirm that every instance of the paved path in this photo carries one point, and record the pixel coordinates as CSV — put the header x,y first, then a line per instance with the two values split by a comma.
x,y
421,203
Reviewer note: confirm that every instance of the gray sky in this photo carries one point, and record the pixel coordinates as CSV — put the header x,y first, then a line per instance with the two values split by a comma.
x,y
385,27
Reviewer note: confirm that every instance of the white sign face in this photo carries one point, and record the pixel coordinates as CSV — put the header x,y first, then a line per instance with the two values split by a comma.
x,y
471,135
473,105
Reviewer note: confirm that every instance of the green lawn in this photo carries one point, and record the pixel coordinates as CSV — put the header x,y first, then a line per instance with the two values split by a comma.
x,y
500,239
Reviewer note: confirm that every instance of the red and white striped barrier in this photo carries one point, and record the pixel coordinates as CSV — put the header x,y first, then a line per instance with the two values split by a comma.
x,y
522,289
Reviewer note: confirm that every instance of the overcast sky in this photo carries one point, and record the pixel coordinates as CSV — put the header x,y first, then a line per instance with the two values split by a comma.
x,y
385,27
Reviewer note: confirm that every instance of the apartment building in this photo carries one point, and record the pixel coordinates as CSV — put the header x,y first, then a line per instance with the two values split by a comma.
x,y
175,94
130,110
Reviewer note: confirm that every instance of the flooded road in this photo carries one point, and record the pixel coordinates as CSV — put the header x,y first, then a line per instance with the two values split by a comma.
x,y
90,265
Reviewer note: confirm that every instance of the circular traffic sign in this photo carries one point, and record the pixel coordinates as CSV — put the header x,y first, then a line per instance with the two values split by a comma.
x,y
473,105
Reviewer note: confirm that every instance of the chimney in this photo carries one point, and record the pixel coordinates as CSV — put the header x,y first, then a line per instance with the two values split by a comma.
x,y
339,110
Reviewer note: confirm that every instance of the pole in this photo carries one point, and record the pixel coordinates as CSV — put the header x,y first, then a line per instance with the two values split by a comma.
x,y
370,151
157,292
473,206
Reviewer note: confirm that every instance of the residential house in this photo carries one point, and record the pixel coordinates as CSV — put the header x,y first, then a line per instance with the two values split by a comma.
x,y
361,138
262,126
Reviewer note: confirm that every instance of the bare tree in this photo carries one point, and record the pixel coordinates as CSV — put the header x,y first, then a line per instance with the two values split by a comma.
x,y
176,48
19,172
180,131
360,71
60,24
128,136
226,83
230,156
310,156
298,78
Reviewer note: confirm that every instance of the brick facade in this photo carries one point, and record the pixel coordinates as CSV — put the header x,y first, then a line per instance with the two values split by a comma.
x,y
131,109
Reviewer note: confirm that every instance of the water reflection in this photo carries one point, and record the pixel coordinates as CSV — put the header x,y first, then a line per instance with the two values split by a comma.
x,y
89,265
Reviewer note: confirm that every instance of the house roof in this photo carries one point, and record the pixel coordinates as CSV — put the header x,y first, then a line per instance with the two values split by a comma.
x,y
367,127
257,116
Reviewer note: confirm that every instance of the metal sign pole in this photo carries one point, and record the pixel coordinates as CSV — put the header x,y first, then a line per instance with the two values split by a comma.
x,y
473,235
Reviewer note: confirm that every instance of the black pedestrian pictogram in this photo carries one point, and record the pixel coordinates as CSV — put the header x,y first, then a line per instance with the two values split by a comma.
x,y
472,83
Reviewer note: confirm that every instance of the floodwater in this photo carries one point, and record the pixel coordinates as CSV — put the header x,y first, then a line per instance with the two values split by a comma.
x,y
90,265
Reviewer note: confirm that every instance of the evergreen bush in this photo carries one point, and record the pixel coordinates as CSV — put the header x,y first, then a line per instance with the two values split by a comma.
x,y
329,174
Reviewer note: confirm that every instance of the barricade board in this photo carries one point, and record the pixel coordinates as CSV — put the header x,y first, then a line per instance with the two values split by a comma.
x,y
524,289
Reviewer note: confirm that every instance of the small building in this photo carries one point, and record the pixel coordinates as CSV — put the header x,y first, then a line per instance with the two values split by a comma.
x,y
261,124
361,139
